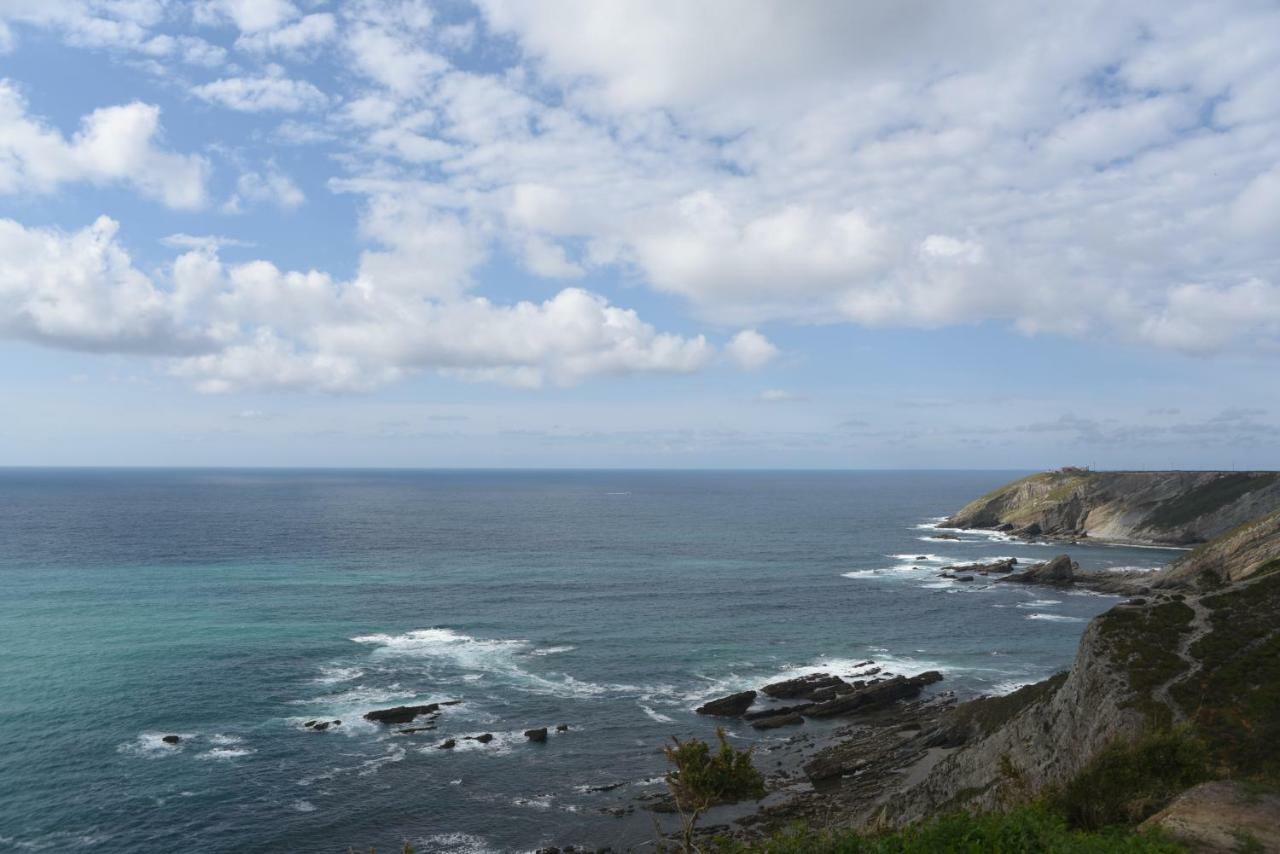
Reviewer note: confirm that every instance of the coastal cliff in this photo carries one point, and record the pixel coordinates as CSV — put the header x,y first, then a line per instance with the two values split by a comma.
x,y
1156,508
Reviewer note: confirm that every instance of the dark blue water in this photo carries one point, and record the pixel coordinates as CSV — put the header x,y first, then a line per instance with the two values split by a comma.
x,y
230,607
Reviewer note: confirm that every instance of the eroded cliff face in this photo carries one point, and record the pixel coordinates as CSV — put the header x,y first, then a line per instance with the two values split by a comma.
x,y
1204,654
1156,508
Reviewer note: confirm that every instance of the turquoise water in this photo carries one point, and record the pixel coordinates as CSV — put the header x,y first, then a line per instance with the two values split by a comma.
x,y
230,607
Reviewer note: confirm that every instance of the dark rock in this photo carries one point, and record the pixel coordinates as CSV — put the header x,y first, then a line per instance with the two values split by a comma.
x,y
789,719
337,723
562,727
447,744
877,695
539,734
803,687
1059,572
963,577
320,727
728,707
1005,565
409,730
171,739
400,714
483,738
775,711
310,724
922,557
945,536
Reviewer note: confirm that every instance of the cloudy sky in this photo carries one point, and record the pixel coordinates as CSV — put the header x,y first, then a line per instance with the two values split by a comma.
x,y
639,233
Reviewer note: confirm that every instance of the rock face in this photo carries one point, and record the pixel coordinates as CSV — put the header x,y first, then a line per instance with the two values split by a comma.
x,y
1234,556
776,721
1158,508
728,707
1216,817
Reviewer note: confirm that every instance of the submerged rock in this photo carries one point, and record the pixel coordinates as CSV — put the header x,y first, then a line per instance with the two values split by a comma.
x,y
776,721
538,735
400,714
171,739
483,738
562,727
728,707
320,726
447,744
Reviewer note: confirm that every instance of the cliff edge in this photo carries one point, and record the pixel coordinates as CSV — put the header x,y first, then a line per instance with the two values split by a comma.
x,y
1174,508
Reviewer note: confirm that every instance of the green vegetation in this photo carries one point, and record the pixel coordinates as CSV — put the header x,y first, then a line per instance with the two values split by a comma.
x,y
703,778
1127,783
1209,497
1029,829
1145,641
1233,700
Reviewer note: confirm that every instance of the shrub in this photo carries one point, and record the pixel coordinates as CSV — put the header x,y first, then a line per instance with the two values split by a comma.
x,y
1126,783
703,777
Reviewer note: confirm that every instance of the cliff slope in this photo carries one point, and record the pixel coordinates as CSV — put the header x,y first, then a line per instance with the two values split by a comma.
x,y
1156,508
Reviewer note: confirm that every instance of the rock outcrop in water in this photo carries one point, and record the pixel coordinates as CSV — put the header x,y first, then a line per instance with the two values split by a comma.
x,y
1155,508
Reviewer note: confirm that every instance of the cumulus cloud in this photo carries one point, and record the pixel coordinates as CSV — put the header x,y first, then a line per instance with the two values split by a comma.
x,y
113,145
750,350
253,325
271,187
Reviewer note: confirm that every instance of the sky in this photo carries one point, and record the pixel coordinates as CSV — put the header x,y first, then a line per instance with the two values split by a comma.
x,y
640,233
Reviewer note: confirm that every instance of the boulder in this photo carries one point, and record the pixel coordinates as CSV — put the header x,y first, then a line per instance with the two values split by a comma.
x,y
803,687
320,727
400,714
483,738
171,739
728,707
1059,572
562,727
538,735
447,744
877,695
788,719
310,724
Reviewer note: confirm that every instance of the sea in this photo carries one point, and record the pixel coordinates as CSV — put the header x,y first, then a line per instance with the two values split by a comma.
x,y
231,607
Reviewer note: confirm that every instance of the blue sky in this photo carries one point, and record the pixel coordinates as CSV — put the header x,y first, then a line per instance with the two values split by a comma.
x,y
570,233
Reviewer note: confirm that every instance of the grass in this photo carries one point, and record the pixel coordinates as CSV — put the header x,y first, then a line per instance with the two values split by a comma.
x,y
985,715
1144,640
1029,829
1234,699
1127,783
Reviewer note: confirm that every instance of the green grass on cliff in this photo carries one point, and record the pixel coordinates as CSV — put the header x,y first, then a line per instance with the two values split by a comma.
x,y
1029,829
1207,498
1145,642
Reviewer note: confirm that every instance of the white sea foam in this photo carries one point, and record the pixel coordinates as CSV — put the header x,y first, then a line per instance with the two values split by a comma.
x,y
657,716
226,753
331,675
304,806
1008,686
552,650
1133,568
1040,603
454,843
1055,618
151,745
499,658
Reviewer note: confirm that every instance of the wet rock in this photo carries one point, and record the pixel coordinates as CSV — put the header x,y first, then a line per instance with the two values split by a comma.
x,y
877,695
803,687
310,724
483,738
788,719
1059,572
963,577
945,536
400,714
537,735
171,739
562,727
320,727
775,711
728,707
410,730
447,744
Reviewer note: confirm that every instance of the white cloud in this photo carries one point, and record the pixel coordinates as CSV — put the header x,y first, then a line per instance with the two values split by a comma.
x,y
253,325
779,395
113,145
250,16
271,187
750,350
307,32
260,94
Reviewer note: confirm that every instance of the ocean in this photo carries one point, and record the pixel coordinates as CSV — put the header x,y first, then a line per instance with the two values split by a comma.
x,y
231,607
